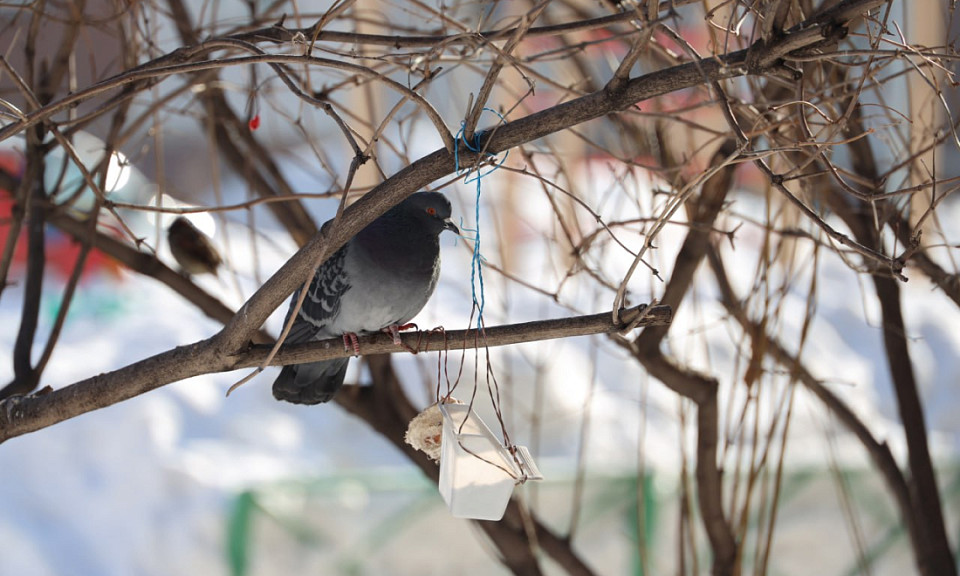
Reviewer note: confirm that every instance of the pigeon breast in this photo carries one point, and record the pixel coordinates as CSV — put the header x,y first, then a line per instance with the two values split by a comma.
x,y
393,273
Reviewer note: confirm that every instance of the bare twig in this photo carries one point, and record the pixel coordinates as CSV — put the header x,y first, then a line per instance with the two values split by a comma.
x,y
149,265
278,33
31,190
490,80
879,451
697,387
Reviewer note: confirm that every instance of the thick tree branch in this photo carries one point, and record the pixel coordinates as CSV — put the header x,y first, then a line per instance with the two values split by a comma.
x,y
934,555
703,211
22,414
439,339
708,474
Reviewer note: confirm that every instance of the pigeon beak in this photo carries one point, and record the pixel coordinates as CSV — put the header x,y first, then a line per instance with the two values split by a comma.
x,y
449,225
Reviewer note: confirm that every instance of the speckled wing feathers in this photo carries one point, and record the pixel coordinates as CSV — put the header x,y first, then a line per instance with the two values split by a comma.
x,y
317,381
322,303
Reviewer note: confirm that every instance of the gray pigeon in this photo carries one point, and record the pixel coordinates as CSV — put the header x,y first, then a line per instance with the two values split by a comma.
x,y
378,280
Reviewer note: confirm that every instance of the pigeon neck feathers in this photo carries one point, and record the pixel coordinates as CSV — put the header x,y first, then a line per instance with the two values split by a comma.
x,y
395,240
407,234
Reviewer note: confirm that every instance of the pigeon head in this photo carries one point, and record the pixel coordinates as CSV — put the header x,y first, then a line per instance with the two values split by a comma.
x,y
431,210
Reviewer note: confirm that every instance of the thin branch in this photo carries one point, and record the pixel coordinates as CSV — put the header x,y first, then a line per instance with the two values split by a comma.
x,y
879,451
24,379
490,80
279,34
934,553
441,163
703,212
155,71
149,265
828,25
65,301
433,341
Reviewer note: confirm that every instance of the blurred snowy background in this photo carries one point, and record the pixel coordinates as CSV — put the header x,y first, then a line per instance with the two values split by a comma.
x,y
184,480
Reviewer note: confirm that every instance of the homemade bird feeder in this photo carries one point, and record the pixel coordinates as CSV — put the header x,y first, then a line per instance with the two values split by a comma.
x,y
477,472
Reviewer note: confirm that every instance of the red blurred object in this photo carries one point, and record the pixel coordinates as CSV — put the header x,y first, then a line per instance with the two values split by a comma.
x,y
254,122
61,250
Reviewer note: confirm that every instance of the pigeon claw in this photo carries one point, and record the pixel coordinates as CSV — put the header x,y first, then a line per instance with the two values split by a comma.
x,y
394,331
351,342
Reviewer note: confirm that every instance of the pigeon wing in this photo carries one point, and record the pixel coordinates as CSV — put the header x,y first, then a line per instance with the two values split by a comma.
x,y
322,302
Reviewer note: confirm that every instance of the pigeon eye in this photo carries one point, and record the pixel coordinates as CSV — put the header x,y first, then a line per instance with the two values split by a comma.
x,y
432,211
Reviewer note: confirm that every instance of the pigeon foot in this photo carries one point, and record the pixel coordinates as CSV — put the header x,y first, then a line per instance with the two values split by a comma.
x,y
394,331
351,342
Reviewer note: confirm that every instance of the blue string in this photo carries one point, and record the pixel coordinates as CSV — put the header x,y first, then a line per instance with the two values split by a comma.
x,y
476,269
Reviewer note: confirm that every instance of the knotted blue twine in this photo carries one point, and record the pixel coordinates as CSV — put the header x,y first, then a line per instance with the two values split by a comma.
x,y
476,269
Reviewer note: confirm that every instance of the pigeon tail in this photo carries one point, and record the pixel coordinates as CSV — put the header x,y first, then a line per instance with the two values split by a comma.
x,y
312,383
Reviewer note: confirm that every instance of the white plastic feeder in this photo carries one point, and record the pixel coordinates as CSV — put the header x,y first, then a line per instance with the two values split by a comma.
x,y
477,473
